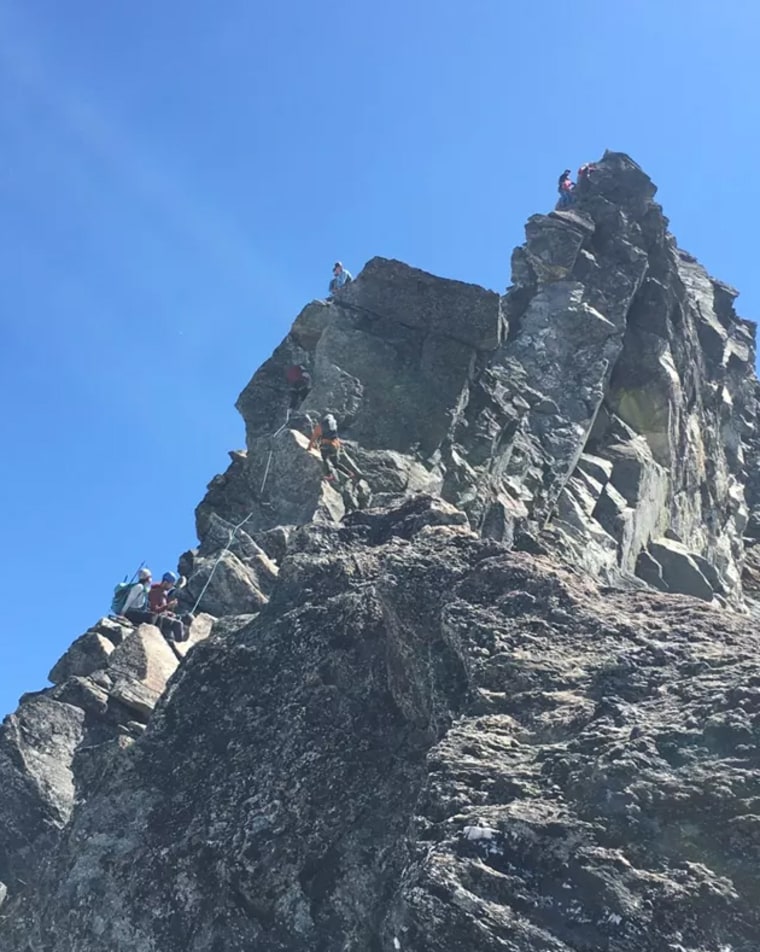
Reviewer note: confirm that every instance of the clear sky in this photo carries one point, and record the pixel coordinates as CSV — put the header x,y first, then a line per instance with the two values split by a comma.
x,y
177,179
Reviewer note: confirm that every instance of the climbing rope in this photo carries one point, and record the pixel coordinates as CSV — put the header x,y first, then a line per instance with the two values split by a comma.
x,y
266,472
224,551
234,530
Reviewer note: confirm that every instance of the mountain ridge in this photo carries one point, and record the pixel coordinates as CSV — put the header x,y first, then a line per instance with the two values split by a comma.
x,y
510,701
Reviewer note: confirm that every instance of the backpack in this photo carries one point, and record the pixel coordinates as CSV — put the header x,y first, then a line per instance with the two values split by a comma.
x,y
120,593
329,427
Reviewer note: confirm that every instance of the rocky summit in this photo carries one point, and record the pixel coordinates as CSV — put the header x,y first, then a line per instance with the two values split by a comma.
x,y
500,693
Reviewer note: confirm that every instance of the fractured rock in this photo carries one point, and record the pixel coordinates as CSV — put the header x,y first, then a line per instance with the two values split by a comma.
x,y
140,667
87,654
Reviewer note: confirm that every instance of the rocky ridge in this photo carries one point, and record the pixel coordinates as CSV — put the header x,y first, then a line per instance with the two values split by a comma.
x,y
511,703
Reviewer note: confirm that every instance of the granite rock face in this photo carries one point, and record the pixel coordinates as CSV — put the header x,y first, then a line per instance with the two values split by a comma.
x,y
425,741
61,742
501,693
609,398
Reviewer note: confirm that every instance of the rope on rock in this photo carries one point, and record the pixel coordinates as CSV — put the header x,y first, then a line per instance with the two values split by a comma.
x,y
240,525
266,472
221,555
271,453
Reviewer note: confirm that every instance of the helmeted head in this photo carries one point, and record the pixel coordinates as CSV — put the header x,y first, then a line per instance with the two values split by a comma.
x,y
566,174
169,579
337,267
145,575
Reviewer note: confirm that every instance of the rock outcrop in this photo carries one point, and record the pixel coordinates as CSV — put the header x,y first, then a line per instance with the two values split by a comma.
x,y
63,742
607,402
512,702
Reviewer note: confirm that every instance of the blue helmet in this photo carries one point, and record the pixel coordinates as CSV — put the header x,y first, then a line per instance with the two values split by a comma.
x,y
169,577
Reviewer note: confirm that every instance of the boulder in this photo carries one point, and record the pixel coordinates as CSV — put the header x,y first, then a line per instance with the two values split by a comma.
x,y
140,667
680,572
199,630
87,654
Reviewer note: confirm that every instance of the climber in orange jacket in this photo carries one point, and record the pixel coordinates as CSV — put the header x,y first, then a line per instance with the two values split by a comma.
x,y
325,436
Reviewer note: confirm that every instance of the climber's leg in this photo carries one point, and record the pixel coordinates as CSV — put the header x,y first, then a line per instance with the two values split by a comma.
x,y
346,465
329,458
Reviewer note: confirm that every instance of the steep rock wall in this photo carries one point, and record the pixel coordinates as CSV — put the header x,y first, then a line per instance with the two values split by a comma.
x,y
606,402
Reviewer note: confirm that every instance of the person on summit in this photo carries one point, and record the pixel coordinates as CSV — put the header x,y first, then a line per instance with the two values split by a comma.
x,y
334,460
565,189
299,382
341,277
162,608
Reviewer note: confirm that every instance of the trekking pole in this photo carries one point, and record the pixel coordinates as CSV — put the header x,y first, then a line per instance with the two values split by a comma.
x,y
136,572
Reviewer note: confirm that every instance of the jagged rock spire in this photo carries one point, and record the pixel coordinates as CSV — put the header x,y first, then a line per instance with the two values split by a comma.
x,y
604,402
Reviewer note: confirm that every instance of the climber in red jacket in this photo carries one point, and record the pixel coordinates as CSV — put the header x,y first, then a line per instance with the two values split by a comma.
x,y
299,382
162,607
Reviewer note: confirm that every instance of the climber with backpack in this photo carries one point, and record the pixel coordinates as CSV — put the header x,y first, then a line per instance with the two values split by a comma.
x,y
334,460
565,189
341,277
132,595
162,601
299,382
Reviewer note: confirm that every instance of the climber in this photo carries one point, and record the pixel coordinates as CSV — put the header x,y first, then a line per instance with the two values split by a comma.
x,y
135,606
565,188
136,596
584,172
162,608
334,459
299,381
340,278
173,593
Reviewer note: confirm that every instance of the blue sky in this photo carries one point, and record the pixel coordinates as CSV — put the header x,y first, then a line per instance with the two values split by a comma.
x,y
177,179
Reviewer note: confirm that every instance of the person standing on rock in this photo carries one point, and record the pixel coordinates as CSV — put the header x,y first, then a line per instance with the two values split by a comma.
x,y
334,460
340,278
162,608
565,188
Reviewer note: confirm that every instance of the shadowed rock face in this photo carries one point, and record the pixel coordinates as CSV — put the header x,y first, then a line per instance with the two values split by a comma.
x,y
513,704
429,740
